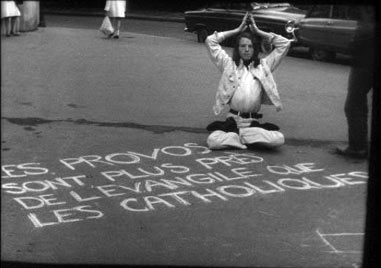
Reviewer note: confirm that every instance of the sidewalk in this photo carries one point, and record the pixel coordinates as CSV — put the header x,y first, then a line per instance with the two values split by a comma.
x,y
137,14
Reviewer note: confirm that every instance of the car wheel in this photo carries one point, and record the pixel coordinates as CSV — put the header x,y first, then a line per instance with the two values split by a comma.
x,y
202,34
321,55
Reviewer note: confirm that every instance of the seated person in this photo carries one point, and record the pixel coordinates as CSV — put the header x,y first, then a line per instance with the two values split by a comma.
x,y
246,83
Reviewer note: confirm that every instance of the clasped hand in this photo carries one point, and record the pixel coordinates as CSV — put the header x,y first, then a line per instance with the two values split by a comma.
x,y
248,21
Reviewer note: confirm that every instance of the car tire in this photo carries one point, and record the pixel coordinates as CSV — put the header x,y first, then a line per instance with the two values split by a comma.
x,y
321,55
202,34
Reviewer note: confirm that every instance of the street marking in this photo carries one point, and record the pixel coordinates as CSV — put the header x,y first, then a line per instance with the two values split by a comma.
x,y
334,249
158,179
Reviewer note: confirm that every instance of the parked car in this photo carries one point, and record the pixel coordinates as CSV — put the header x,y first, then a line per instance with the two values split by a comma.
x,y
327,30
222,16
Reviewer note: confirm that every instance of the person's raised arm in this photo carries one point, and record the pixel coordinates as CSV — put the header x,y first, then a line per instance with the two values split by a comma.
x,y
218,56
254,29
242,27
280,43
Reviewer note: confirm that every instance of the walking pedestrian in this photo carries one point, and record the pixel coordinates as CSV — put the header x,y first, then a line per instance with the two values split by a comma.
x,y
246,83
359,85
116,10
10,15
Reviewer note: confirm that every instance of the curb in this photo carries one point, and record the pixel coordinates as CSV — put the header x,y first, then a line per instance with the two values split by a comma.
x,y
128,15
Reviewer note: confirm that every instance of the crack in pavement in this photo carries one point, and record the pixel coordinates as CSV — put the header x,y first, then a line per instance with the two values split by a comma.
x,y
158,129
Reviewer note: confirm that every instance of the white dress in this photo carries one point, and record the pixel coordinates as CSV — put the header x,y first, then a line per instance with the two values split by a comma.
x,y
9,9
116,8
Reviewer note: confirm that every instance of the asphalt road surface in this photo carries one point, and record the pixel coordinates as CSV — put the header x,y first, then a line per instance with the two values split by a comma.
x,y
157,28
162,28
104,159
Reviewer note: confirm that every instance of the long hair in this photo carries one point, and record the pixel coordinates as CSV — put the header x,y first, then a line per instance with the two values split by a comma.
x,y
256,45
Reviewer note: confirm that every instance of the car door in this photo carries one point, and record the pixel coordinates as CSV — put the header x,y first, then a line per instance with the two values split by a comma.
x,y
313,29
235,14
224,16
341,28
211,18
215,20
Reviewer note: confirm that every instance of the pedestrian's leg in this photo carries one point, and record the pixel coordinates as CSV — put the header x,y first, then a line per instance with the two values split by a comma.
x,y
356,108
15,26
112,24
117,28
8,26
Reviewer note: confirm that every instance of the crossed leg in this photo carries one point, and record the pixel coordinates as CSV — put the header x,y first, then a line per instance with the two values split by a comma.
x,y
250,137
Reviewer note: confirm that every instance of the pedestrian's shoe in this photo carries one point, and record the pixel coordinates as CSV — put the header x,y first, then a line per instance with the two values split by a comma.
x,y
349,152
111,35
115,35
16,34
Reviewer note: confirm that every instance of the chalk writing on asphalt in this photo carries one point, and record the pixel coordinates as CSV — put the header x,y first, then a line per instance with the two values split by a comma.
x,y
165,178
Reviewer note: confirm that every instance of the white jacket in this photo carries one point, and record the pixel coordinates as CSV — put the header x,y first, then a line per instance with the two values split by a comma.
x,y
263,72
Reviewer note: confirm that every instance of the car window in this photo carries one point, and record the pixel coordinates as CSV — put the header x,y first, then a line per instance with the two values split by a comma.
x,y
239,6
305,8
320,11
353,13
339,12
345,12
229,5
218,5
256,5
295,10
